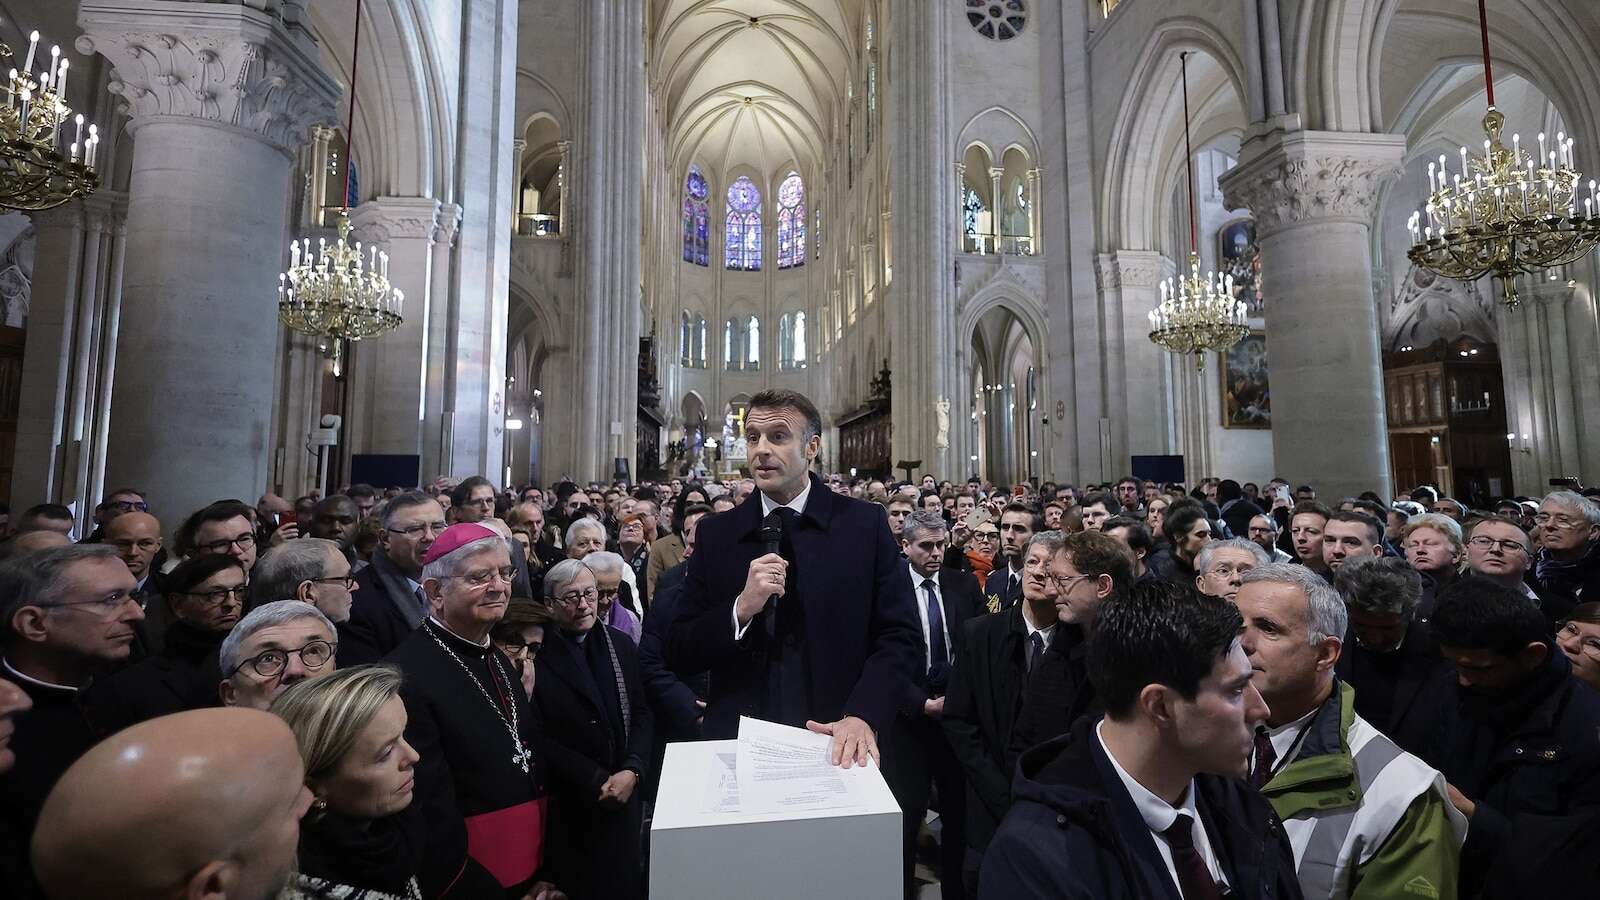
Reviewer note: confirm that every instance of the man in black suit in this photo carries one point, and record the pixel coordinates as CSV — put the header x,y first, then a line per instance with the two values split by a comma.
x,y
1389,657
1149,801
822,634
1018,523
1092,568
919,754
993,659
389,603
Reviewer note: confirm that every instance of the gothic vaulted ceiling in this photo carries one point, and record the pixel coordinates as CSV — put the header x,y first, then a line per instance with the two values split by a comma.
x,y
753,82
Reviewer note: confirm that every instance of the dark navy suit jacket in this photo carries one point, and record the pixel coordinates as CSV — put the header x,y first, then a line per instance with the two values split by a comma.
x,y
860,643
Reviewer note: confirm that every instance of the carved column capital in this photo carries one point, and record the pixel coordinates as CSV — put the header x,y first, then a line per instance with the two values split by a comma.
x,y
1131,269
449,223
1291,179
226,64
386,219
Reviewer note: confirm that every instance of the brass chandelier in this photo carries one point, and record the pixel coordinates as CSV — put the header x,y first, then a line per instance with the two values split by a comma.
x,y
39,167
342,292
1508,212
1198,313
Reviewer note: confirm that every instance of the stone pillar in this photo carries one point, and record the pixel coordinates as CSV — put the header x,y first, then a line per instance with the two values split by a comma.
x,y
47,357
220,97
436,426
997,207
959,213
1035,247
1313,196
607,211
390,383
1547,357
561,183
1130,287
922,307
519,149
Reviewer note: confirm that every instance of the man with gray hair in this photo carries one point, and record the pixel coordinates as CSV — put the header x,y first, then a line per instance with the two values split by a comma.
x,y
274,646
389,602
1220,566
1365,818
478,781
66,614
611,574
584,536
919,755
310,570
1388,657
1567,570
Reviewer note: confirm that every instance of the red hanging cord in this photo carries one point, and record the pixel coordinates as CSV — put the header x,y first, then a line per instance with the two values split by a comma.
x,y
1488,66
350,120
1194,231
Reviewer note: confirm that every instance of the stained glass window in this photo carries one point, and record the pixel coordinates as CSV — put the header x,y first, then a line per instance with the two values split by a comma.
x,y
696,219
743,243
971,206
791,222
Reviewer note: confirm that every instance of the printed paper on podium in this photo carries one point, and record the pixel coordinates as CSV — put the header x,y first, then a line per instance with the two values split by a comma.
x,y
785,769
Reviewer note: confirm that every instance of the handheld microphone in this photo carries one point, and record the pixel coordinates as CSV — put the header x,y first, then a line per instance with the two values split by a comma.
x,y
772,536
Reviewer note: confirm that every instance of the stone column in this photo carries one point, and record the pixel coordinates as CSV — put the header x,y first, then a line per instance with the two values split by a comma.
x,y
607,209
1547,358
47,357
1035,247
220,97
390,386
519,148
1313,196
996,207
1130,287
922,311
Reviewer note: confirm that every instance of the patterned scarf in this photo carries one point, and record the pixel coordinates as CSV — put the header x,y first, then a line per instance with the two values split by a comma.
x,y
622,686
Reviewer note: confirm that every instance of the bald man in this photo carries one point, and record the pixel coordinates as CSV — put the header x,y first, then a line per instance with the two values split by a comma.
x,y
206,803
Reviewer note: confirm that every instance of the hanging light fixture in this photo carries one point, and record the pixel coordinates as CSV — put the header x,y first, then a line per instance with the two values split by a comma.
x,y
39,167
341,292
1198,313
1508,212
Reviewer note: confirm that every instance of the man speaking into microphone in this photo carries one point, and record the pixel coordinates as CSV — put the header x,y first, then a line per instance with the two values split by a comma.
x,y
821,634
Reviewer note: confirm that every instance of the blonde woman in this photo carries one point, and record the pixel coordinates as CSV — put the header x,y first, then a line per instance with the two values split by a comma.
x,y
355,842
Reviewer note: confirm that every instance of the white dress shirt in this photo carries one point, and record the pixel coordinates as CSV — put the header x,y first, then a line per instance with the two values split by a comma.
x,y
798,504
1047,633
18,676
917,580
1286,740
1158,816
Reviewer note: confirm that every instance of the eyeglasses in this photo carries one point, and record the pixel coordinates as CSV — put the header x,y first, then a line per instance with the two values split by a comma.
x,y
482,579
243,541
985,535
1484,543
418,530
1589,645
106,605
516,649
575,598
345,580
131,505
218,596
1065,582
1545,520
270,663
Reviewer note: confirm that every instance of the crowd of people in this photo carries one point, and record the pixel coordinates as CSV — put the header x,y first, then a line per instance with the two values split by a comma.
x,y
1129,690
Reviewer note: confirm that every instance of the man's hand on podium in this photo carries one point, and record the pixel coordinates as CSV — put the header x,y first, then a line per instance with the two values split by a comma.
x,y
764,579
853,740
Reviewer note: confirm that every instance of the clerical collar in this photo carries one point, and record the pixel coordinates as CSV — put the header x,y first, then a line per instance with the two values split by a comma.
x,y
484,645
798,504
35,681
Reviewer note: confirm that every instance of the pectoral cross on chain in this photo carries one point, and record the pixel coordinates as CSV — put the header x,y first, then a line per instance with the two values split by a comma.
x,y
521,756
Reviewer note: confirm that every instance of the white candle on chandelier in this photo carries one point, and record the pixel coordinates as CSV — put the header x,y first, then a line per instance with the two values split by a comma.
x,y
61,80
1541,147
1464,172
1516,148
294,257
50,73
33,44
1561,147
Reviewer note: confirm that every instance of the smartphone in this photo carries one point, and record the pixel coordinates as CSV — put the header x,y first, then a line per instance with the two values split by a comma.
x,y
1017,491
977,517
1571,483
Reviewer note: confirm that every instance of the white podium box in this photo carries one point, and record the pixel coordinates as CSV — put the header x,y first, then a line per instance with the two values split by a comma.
x,y
703,846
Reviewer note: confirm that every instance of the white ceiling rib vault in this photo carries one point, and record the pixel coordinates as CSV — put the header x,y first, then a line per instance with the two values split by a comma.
x,y
758,83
